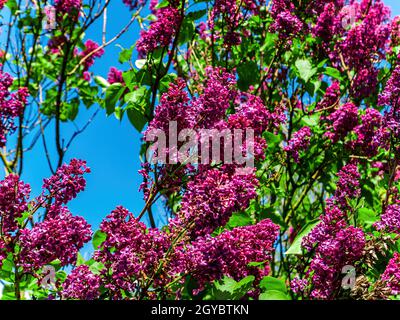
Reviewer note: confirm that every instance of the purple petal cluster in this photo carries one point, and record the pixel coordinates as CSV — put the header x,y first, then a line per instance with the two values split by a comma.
x,y
331,97
67,182
210,258
130,250
81,284
133,4
391,94
390,219
59,236
391,276
68,6
342,122
348,185
299,142
90,53
334,243
367,133
11,105
212,197
14,197
160,32
115,76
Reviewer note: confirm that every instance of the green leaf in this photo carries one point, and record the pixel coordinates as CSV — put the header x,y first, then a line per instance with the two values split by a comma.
x,y
196,15
332,72
270,283
101,82
113,94
272,139
228,289
310,121
295,248
80,260
125,55
138,107
98,238
248,75
273,295
367,216
187,31
239,219
305,69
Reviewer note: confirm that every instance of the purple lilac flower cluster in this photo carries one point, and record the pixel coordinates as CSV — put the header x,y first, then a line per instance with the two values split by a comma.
x,y
391,276
130,251
210,258
81,284
59,236
299,142
334,242
390,219
67,182
14,197
11,105
161,31
68,6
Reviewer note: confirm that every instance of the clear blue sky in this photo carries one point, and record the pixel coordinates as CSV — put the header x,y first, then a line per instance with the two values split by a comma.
x,y
110,147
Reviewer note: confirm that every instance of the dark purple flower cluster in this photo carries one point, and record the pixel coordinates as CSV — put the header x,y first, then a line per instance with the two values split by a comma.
x,y
348,186
81,284
133,4
68,6
90,53
367,132
286,24
299,142
212,197
391,276
342,122
59,236
334,242
331,98
391,95
115,76
11,105
14,197
160,32
390,219
210,258
67,182
130,250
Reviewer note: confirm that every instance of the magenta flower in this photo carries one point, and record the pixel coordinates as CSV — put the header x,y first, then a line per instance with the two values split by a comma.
x,y
59,236
81,284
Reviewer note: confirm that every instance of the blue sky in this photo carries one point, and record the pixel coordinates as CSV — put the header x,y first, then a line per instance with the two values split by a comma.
x,y
110,147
